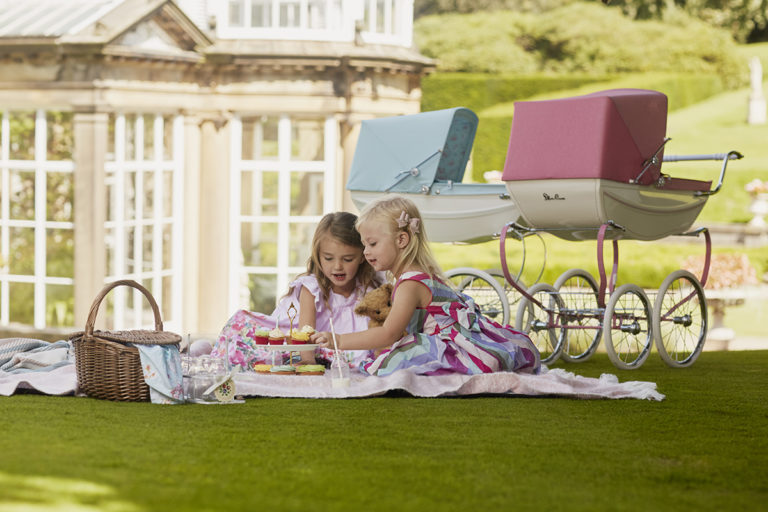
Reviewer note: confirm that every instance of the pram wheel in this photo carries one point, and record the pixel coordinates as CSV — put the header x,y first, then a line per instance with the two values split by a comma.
x,y
513,294
484,289
541,323
627,327
582,317
680,319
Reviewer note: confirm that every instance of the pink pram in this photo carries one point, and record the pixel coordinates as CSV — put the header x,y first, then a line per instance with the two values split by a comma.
x,y
589,168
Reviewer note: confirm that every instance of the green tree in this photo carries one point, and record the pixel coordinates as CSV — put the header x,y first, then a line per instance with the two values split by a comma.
x,y
746,20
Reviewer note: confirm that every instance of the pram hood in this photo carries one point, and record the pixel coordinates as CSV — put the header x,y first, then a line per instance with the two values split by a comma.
x,y
410,153
608,135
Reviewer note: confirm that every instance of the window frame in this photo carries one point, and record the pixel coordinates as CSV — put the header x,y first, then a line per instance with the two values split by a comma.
x,y
41,166
285,166
120,227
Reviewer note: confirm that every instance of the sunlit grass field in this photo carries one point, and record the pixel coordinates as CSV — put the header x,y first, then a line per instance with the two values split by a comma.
x,y
702,448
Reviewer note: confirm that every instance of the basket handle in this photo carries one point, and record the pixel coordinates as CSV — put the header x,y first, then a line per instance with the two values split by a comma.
x,y
124,282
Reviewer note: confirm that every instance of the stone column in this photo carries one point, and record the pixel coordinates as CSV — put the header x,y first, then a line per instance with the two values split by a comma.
x,y
190,305
90,132
214,257
349,133
756,113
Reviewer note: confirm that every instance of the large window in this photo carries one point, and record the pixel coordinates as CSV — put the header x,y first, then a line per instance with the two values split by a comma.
x,y
283,182
388,21
36,219
379,21
321,15
144,217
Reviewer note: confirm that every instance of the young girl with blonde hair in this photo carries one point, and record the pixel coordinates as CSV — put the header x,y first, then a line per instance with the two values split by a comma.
x,y
337,277
446,332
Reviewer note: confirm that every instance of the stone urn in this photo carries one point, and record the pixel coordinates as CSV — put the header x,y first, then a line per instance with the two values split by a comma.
x,y
759,209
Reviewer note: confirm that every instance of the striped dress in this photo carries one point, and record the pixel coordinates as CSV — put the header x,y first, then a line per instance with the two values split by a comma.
x,y
450,335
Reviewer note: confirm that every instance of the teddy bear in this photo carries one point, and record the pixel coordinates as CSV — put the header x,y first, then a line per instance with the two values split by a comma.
x,y
376,305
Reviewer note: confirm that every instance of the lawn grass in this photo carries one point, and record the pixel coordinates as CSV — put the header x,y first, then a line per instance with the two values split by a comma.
x,y
703,448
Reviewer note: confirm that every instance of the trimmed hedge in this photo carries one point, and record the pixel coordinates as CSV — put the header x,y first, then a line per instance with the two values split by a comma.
x,y
479,91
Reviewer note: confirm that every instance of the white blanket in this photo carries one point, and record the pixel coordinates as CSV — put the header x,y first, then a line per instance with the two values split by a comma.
x,y
59,381
556,382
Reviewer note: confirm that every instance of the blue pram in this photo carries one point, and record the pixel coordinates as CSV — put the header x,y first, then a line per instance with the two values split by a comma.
x,y
423,157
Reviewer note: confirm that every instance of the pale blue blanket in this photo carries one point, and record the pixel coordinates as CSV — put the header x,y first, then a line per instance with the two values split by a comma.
x,y
21,355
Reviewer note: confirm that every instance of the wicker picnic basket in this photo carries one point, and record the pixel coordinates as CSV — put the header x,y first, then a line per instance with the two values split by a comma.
x,y
107,366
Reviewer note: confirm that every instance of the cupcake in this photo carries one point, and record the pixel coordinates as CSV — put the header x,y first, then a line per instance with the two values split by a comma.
x,y
261,368
283,369
299,338
308,329
276,336
261,336
310,369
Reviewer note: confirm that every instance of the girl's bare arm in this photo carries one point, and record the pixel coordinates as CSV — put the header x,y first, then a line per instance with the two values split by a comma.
x,y
307,313
408,296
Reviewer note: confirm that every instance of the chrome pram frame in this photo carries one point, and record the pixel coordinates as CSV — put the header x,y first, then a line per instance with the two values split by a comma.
x,y
567,320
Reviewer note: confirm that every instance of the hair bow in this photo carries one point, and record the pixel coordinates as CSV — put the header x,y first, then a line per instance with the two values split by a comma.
x,y
406,220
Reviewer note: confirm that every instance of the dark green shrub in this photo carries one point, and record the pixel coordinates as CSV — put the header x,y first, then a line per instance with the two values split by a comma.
x,y
578,38
479,42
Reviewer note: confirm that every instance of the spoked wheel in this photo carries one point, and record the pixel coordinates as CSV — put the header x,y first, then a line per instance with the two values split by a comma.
x,y
541,324
627,327
582,317
513,294
680,319
484,289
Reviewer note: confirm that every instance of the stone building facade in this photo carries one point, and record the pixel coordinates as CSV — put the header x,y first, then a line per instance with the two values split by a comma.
x,y
189,146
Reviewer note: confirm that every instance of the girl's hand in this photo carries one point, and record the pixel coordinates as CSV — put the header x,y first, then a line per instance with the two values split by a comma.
x,y
324,339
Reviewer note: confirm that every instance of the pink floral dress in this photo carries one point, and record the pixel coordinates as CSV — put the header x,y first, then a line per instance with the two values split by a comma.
x,y
450,335
240,328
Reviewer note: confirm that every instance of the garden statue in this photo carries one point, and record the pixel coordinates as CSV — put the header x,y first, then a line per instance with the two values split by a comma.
x,y
758,190
756,114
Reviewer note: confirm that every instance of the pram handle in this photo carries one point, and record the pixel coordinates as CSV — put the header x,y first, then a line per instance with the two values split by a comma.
x,y
733,155
725,157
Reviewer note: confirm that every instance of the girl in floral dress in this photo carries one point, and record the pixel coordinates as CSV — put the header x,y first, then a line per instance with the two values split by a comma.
x,y
446,332
337,277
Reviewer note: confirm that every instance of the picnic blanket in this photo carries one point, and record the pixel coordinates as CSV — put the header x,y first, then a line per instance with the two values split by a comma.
x,y
551,382
38,365
19,355
49,368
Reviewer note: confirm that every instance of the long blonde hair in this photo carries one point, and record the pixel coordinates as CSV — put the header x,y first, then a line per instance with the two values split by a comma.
x,y
341,227
388,210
